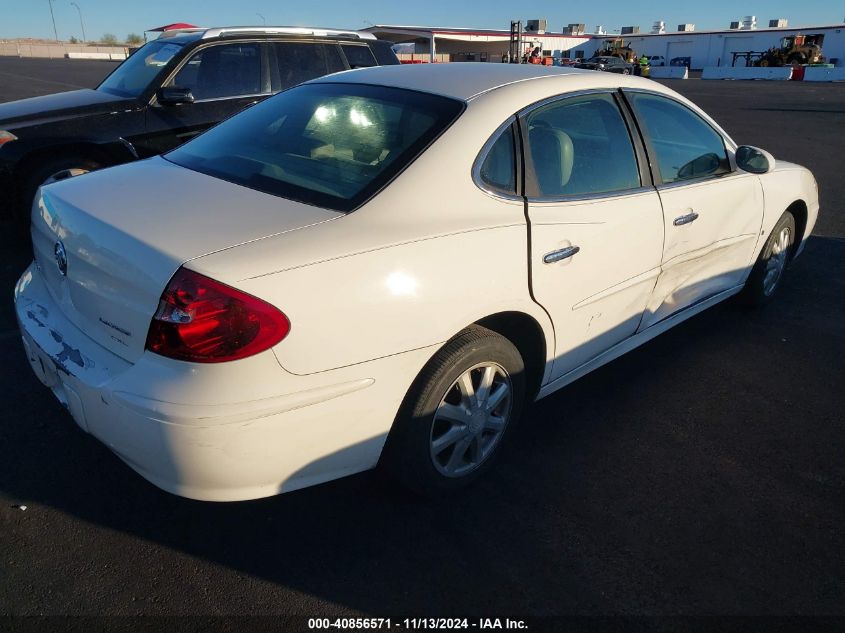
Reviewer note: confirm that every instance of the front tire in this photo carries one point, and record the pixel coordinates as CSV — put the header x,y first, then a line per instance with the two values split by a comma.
x,y
458,414
767,274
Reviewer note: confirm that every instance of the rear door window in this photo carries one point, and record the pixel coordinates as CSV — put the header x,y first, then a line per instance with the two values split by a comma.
x,y
581,145
294,63
359,55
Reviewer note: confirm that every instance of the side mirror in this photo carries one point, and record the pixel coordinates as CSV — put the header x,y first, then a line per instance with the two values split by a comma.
x,y
174,95
754,160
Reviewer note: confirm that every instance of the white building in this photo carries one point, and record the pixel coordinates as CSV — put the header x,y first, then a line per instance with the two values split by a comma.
x,y
716,48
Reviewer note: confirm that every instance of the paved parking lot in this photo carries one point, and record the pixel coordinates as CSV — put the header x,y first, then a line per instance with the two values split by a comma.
x,y
702,474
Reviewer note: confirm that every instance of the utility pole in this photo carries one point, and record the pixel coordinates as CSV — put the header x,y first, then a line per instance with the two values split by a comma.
x,y
81,23
55,32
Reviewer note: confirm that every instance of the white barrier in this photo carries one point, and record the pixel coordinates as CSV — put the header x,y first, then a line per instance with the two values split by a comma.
x,y
783,73
824,74
117,57
106,56
54,51
668,72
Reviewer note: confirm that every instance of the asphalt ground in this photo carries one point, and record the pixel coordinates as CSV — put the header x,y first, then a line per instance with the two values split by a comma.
x,y
700,475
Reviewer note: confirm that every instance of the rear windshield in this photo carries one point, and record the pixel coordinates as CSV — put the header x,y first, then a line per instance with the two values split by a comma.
x,y
133,76
326,144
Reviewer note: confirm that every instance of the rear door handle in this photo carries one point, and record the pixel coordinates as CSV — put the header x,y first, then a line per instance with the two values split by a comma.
x,y
564,253
692,216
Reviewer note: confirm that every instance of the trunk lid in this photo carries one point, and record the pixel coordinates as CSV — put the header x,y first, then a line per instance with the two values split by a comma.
x,y
124,232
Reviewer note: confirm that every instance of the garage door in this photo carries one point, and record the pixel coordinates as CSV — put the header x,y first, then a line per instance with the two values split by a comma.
x,y
682,49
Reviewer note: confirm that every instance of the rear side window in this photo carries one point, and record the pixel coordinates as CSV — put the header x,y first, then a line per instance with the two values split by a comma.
x,y
332,145
581,145
498,171
359,56
298,62
686,146
384,53
227,70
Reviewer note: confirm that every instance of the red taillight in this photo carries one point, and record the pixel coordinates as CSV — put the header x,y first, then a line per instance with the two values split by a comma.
x,y
203,321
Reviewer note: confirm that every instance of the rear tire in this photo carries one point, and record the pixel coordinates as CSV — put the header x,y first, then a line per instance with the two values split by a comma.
x,y
457,415
768,271
52,171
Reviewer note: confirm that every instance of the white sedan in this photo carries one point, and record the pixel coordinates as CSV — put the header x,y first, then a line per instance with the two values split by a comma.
x,y
381,267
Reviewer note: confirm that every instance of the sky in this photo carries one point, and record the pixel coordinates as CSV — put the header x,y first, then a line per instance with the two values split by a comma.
x,y
31,18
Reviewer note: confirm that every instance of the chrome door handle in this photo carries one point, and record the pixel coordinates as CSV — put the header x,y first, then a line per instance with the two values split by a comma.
x,y
564,253
692,216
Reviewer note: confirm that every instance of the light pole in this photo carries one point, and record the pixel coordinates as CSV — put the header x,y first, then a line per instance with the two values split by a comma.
x,y
263,18
55,32
81,23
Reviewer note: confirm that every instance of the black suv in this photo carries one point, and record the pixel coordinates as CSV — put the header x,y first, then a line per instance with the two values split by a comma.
x,y
166,92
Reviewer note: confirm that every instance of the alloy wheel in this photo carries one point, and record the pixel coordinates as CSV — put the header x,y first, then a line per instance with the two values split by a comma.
x,y
776,263
471,419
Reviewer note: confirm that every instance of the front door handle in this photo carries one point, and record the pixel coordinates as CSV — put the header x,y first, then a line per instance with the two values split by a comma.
x,y
692,216
564,253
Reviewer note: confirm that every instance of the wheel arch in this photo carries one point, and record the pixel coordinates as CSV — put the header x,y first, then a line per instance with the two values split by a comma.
x,y
798,209
104,154
528,337
523,331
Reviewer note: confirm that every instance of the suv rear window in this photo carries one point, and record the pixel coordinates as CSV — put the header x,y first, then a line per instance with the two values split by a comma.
x,y
384,53
359,56
298,62
332,145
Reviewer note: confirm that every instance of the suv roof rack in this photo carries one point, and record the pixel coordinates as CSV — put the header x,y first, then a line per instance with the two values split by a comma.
x,y
286,30
174,32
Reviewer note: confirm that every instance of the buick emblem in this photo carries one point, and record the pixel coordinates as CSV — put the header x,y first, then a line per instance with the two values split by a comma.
x,y
61,257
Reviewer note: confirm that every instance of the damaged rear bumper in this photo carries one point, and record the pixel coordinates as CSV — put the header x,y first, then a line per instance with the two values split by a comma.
x,y
219,432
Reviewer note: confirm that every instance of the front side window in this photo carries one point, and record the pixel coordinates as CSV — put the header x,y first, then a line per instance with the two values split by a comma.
x,y
227,70
328,144
298,62
498,171
686,146
581,146
134,76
